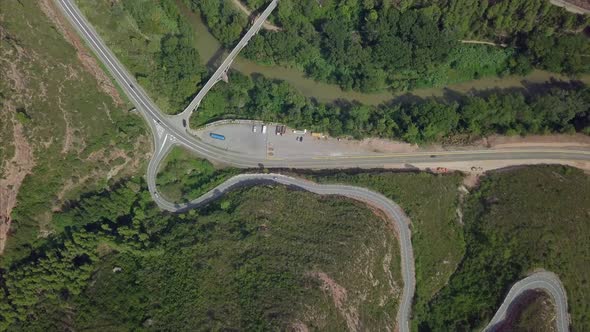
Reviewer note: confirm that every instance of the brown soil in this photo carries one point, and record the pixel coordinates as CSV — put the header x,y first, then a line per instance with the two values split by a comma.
x,y
69,134
471,180
544,314
339,295
298,327
557,140
15,171
574,6
88,61
481,42
384,145
128,167
267,25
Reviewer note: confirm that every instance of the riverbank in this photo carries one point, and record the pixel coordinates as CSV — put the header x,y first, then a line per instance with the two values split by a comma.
x,y
211,52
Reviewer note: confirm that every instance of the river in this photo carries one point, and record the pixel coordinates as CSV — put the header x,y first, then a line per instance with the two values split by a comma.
x,y
210,51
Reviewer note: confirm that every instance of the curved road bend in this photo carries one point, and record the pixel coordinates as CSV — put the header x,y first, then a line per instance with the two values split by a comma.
x,y
392,210
168,131
547,281
222,69
171,126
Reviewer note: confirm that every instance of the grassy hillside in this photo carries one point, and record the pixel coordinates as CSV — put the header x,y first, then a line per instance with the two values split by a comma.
x,y
154,42
265,258
63,123
518,221
184,176
374,45
533,311
430,202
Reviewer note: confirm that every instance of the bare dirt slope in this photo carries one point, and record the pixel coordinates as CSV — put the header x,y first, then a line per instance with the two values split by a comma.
x,y
267,25
86,59
63,125
14,172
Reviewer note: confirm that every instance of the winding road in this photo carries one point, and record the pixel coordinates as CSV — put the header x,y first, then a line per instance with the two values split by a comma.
x,y
172,130
391,210
546,281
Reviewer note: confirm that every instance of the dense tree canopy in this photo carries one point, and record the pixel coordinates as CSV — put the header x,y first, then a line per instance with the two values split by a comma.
x,y
175,73
373,45
515,223
426,120
245,263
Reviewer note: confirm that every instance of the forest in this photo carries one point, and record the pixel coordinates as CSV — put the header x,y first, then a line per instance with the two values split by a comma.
x,y
375,45
80,134
184,176
559,110
155,43
255,260
516,222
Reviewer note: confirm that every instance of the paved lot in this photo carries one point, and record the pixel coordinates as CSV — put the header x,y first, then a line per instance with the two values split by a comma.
x,y
241,138
238,138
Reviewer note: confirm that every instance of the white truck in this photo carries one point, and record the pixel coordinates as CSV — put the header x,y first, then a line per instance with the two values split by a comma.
x,y
264,129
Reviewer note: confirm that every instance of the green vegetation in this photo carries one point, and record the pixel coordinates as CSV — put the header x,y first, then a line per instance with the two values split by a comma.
x,y
183,176
558,110
516,222
534,312
260,262
154,42
405,42
373,45
77,128
430,202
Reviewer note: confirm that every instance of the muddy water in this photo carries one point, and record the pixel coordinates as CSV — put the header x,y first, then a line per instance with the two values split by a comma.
x,y
212,53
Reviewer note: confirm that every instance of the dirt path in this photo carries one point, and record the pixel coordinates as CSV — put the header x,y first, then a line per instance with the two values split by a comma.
x,y
556,140
574,6
88,61
339,296
481,42
267,25
15,171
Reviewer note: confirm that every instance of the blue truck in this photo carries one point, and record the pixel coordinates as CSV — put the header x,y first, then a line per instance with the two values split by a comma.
x,y
217,136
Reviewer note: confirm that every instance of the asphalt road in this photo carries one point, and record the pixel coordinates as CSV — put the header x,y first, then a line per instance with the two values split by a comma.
x,y
392,211
258,23
546,281
173,128
169,130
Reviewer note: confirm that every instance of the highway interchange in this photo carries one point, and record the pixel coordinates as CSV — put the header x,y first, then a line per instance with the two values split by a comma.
x,y
169,131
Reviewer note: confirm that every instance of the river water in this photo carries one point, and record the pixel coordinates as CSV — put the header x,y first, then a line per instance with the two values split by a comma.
x,y
210,51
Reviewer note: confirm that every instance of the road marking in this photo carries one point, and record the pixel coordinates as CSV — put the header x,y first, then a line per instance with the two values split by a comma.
x,y
445,153
163,144
159,129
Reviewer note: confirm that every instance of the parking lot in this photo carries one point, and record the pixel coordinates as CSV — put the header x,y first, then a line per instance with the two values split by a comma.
x,y
240,137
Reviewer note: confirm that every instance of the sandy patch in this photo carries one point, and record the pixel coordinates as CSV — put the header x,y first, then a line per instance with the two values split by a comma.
x,y
15,171
502,142
106,156
481,42
298,327
69,133
487,165
393,287
339,295
471,180
266,25
384,145
87,60
574,6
